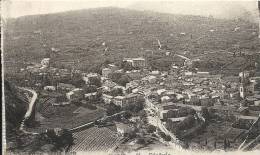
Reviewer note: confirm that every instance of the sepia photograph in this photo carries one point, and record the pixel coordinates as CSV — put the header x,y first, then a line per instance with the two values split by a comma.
x,y
130,77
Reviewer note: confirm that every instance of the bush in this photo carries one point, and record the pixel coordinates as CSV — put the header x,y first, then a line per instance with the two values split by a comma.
x,y
186,123
167,138
151,129
112,109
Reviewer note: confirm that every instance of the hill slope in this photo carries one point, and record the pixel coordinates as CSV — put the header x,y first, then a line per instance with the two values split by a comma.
x,y
15,108
80,34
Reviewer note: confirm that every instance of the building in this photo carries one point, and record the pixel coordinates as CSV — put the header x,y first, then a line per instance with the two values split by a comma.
x,y
168,106
91,96
45,62
202,74
165,99
106,72
132,85
49,88
136,62
172,122
107,98
124,129
165,114
65,87
112,67
132,98
178,60
75,94
246,89
134,74
88,78
109,84
120,101
206,101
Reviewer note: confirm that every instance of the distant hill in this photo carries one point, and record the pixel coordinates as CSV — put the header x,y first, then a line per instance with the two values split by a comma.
x,y
15,108
80,34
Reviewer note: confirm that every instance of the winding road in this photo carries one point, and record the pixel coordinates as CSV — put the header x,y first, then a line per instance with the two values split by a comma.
x,y
30,108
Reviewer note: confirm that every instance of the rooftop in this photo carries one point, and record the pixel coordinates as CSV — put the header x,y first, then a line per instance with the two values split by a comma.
x,y
178,119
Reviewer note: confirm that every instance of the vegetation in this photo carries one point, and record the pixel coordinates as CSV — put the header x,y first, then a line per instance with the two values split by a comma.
x,y
15,108
112,109
137,36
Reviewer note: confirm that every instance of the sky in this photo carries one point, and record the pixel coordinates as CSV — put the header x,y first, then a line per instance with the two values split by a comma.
x,y
216,8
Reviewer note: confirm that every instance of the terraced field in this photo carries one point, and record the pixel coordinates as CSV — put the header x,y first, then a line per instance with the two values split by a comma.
x,y
96,139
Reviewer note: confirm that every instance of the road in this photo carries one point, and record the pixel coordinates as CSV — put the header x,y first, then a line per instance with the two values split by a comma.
x,y
155,120
30,108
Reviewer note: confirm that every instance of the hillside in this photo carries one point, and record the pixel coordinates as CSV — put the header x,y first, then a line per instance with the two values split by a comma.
x,y
79,36
15,108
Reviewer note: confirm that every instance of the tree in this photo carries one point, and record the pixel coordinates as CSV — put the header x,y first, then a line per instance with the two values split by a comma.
x,y
151,129
126,66
95,81
123,80
115,76
116,92
96,69
205,113
112,109
186,123
89,88
167,138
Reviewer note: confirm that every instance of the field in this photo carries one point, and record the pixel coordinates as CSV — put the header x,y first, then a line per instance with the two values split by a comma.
x,y
63,117
96,139
217,132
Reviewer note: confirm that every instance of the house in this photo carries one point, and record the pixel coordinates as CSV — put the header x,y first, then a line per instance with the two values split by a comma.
x,y
134,74
112,67
172,122
161,91
168,106
65,87
152,79
165,99
120,101
91,96
188,73
124,129
132,85
76,93
178,60
106,72
201,74
139,62
136,62
45,62
206,101
88,78
234,94
133,98
107,98
155,73
243,110
109,84
165,114
49,88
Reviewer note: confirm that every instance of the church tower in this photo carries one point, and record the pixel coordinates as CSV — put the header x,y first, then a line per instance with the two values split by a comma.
x,y
242,86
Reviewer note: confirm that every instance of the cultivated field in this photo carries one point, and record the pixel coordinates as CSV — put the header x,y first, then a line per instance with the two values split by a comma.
x,y
96,139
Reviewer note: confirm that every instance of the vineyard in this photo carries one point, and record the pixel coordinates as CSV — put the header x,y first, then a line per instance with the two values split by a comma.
x,y
96,139
63,116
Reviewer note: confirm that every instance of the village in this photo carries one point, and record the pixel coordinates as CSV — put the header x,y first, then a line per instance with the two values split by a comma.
x,y
192,108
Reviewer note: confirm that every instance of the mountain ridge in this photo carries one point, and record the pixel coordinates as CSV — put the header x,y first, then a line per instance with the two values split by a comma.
x,y
127,33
